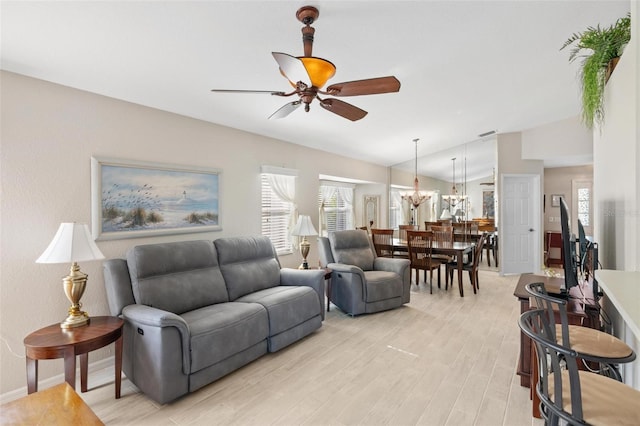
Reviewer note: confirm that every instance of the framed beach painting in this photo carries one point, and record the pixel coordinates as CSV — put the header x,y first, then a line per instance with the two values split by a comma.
x,y
133,199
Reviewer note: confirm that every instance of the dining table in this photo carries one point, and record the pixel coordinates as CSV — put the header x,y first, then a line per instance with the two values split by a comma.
x,y
457,249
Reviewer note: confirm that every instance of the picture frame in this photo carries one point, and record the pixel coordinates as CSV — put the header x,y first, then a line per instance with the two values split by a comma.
x,y
488,204
133,199
555,199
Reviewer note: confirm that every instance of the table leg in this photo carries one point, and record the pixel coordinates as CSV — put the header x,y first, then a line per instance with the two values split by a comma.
x,y
460,275
84,369
118,366
32,375
70,367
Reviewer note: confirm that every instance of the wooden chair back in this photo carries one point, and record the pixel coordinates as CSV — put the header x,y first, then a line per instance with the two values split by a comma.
x,y
442,235
382,242
428,225
419,246
402,231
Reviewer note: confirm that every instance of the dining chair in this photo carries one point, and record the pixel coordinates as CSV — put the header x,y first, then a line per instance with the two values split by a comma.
x,y
402,231
443,236
402,236
382,242
567,394
491,248
471,267
428,225
419,245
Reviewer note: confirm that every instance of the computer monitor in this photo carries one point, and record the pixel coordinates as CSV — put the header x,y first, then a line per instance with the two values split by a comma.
x,y
583,246
569,249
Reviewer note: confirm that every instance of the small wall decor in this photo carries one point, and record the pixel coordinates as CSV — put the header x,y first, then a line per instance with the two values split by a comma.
x,y
555,200
370,211
131,199
488,204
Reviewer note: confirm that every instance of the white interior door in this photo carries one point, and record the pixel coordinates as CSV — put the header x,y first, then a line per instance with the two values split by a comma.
x,y
520,224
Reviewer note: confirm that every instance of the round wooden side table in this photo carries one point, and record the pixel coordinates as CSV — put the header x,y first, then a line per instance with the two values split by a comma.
x,y
53,342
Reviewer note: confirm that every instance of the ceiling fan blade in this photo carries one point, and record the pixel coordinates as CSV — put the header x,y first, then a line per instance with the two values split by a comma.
x,y
343,109
271,92
285,110
292,68
370,86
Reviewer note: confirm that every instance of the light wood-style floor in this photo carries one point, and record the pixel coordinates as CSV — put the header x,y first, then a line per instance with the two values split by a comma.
x,y
440,360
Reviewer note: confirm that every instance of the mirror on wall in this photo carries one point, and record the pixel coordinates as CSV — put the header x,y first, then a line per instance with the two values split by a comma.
x,y
460,179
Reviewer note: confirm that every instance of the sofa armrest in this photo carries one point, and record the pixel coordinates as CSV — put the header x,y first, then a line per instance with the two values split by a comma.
x,y
313,278
349,269
391,265
153,317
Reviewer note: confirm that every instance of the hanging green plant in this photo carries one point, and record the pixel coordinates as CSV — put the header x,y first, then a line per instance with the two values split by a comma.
x,y
599,48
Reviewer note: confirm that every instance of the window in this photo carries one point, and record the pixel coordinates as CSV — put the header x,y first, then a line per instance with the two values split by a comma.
x,y
278,195
336,202
584,201
582,204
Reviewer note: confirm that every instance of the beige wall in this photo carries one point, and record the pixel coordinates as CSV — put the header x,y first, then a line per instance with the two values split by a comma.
x,y
50,132
567,138
617,181
617,163
558,180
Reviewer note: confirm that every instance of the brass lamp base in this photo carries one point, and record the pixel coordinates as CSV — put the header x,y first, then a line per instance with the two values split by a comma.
x,y
74,285
304,251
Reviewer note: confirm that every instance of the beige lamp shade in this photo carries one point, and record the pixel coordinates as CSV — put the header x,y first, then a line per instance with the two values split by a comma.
x,y
304,227
72,243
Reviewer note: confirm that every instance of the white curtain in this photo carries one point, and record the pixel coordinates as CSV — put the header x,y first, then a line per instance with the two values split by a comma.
x,y
347,195
284,187
326,192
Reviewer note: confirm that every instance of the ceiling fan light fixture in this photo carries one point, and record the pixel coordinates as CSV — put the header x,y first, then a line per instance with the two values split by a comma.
x,y
319,70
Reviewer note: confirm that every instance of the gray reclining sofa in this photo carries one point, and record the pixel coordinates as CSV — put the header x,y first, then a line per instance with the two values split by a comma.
x,y
195,311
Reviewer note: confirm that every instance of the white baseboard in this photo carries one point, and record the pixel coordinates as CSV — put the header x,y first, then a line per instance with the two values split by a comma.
x,y
55,380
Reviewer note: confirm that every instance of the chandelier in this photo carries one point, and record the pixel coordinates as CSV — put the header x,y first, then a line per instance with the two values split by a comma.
x,y
454,198
416,198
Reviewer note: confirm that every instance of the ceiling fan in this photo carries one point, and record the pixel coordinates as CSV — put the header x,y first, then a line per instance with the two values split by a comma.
x,y
308,74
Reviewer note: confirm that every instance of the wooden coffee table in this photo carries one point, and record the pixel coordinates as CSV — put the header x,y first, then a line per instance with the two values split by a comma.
x,y
59,405
54,342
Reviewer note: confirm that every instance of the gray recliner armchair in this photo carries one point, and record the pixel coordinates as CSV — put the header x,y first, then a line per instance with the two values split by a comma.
x,y
361,282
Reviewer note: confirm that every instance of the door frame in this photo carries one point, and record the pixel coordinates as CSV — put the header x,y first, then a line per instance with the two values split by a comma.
x,y
536,205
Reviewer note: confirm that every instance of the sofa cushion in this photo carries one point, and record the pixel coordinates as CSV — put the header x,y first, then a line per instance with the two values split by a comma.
x,y
382,285
176,277
352,247
222,330
248,264
287,306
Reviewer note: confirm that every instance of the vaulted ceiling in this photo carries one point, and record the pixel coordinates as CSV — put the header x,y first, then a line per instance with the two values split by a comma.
x,y
465,67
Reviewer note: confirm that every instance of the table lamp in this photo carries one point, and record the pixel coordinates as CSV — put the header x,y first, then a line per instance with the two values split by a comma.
x,y
304,228
72,243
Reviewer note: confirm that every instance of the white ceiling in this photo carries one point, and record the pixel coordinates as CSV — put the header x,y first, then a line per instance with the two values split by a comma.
x,y
465,67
